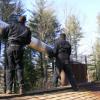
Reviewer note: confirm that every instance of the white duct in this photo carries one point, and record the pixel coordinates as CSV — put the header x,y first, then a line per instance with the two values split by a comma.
x,y
39,45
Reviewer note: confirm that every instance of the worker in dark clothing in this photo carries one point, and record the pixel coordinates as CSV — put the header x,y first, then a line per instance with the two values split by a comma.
x,y
62,51
18,37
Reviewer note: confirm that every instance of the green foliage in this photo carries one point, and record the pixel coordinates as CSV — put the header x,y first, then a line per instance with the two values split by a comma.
x,y
29,72
7,7
96,51
96,56
43,24
32,70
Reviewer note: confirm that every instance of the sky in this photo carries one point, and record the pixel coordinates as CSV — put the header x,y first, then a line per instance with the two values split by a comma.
x,y
85,10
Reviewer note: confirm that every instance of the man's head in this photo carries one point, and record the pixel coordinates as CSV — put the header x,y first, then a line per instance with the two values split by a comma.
x,y
22,19
63,36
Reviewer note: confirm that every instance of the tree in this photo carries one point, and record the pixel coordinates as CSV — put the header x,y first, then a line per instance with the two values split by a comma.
x,y
96,56
73,32
19,7
7,7
96,52
43,24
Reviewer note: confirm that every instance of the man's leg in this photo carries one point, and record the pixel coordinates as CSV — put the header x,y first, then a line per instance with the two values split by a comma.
x,y
19,69
20,80
9,80
71,77
10,72
63,78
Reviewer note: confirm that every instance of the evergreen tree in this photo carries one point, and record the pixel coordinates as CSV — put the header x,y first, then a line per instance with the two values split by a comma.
x,y
96,51
43,24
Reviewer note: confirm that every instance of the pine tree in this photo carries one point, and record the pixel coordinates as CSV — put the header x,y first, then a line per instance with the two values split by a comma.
x,y
43,24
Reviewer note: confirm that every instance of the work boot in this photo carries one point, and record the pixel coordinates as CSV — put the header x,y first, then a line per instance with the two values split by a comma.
x,y
75,88
8,92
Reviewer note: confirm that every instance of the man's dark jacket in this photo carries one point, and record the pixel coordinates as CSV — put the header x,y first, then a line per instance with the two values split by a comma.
x,y
62,51
18,34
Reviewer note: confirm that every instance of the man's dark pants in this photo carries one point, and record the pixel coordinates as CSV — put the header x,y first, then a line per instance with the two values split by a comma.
x,y
15,55
69,73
